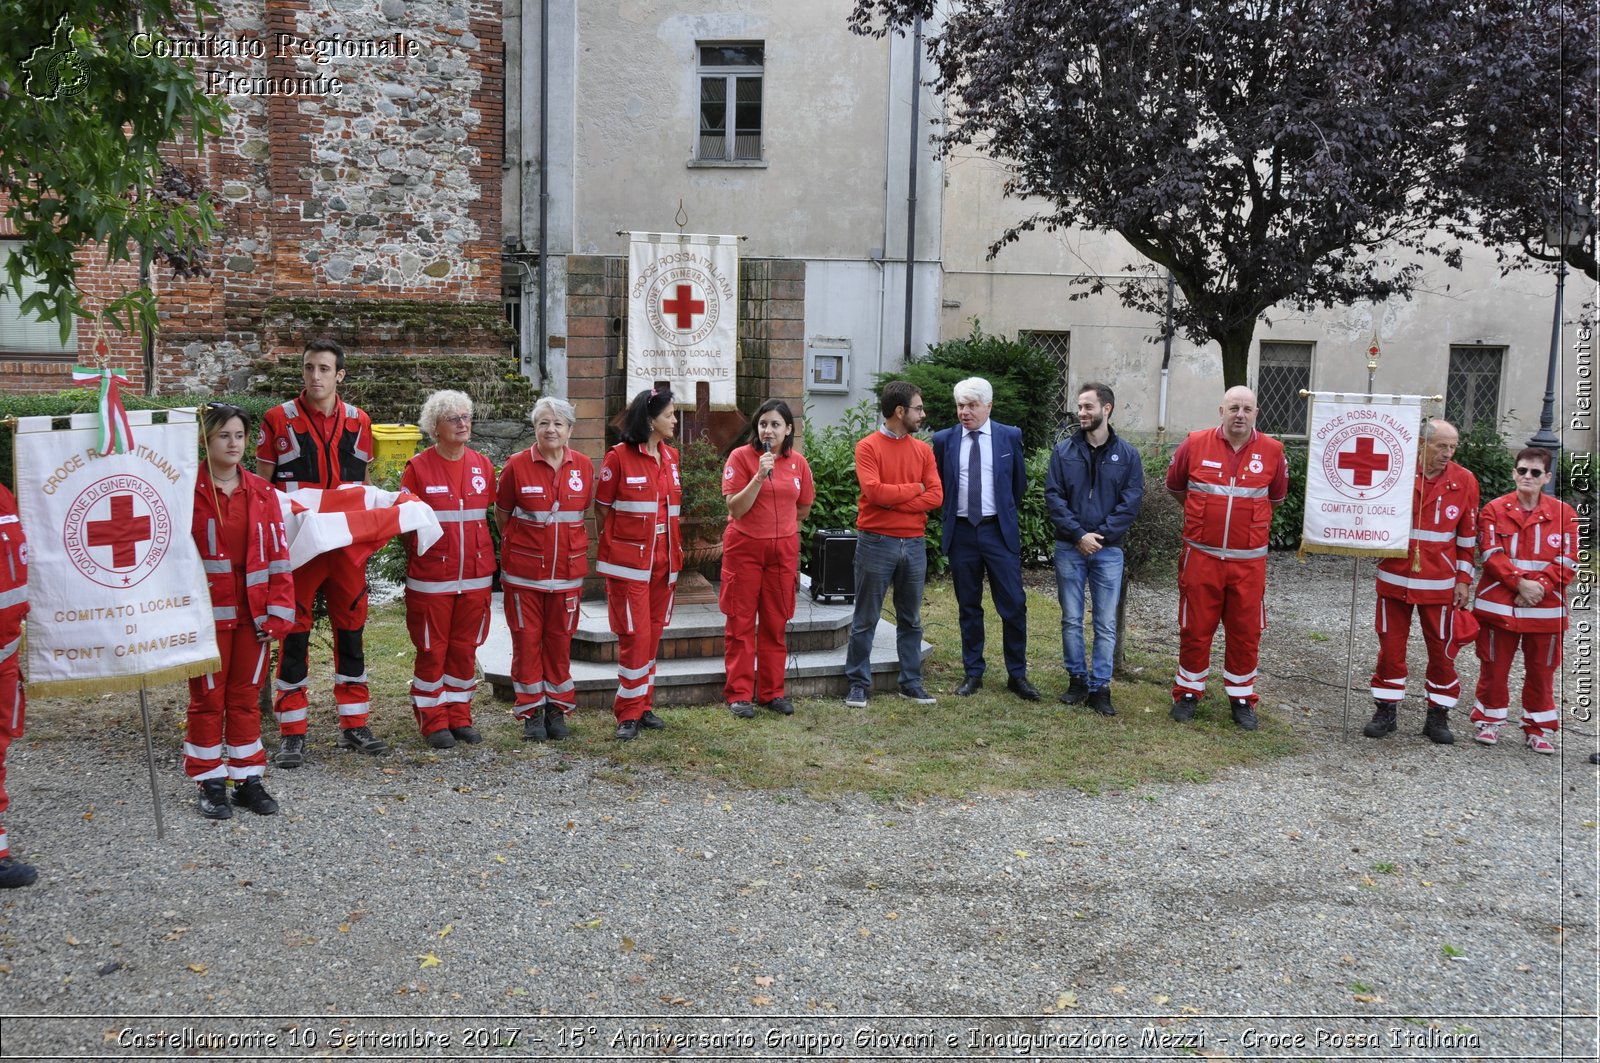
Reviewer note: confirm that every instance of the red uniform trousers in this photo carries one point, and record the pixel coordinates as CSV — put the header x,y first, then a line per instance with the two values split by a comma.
x,y
1234,592
13,707
447,630
639,612
1394,632
343,584
224,717
758,599
542,623
1541,656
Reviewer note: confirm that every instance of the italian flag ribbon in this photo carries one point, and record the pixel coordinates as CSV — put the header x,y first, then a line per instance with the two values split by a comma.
x,y
116,434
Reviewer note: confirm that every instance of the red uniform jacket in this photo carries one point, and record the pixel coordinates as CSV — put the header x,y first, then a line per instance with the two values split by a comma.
x,y
1540,545
302,458
628,486
460,493
268,580
13,575
544,545
1228,513
1444,539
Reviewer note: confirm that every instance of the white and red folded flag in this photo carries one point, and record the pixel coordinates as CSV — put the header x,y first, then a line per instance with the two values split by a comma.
x,y
357,517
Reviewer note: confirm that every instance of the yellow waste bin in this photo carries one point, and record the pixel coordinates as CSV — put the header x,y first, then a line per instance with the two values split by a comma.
x,y
394,444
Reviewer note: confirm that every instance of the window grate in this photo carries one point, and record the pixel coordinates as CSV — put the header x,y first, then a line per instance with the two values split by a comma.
x,y
1472,390
1057,345
1284,369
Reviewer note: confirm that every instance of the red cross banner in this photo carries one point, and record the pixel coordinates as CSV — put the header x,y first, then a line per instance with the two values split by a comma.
x,y
116,590
1360,474
683,302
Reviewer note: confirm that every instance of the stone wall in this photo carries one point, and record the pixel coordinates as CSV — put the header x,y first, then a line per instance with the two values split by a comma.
x,y
360,164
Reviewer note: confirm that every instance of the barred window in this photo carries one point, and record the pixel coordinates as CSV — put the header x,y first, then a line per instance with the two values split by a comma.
x,y
1058,345
1284,369
24,334
730,98
1472,390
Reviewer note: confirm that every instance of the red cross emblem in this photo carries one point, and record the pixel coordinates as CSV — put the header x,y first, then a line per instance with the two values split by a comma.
x,y
123,532
1363,461
683,306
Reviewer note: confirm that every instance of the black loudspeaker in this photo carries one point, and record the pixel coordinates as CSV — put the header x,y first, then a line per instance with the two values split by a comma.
x,y
833,563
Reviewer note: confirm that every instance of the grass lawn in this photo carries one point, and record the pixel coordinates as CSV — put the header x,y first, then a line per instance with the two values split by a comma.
x,y
992,742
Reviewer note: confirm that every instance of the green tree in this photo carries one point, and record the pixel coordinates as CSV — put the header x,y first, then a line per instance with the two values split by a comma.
x,y
88,105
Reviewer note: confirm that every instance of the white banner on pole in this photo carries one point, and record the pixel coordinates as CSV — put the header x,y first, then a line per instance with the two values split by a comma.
x,y
117,593
683,309
1360,474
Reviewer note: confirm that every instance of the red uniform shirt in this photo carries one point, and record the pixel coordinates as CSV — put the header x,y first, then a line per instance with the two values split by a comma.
x,y
775,512
312,449
1519,544
1227,505
544,544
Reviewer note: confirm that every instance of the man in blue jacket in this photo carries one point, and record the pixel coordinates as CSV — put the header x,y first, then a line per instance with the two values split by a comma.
x,y
1094,489
984,472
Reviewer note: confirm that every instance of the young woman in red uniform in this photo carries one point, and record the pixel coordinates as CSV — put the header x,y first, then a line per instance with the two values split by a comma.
x,y
544,555
238,527
1529,544
769,492
448,588
641,550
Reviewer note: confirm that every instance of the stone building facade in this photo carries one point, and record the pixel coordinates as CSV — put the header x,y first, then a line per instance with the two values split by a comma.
x,y
357,188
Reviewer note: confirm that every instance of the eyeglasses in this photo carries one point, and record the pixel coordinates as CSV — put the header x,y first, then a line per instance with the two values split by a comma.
x,y
1523,471
458,419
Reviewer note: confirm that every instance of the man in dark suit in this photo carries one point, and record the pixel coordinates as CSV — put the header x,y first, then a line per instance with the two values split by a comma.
x,y
984,472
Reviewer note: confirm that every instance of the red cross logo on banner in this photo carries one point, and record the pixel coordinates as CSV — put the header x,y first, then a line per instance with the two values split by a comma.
x,y
683,306
123,532
1363,460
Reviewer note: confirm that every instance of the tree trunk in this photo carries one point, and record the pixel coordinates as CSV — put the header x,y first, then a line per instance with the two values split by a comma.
x,y
1236,354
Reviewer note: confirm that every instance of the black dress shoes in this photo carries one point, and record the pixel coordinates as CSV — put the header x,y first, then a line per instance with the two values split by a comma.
x,y
969,686
1023,689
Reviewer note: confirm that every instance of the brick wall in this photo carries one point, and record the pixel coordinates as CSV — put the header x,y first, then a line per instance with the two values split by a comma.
x,y
388,189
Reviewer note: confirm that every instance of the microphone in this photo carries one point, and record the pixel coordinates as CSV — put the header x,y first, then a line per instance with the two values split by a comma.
x,y
766,448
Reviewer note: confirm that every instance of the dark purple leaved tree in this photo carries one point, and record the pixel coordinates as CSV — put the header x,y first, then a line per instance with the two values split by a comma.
x,y
1268,152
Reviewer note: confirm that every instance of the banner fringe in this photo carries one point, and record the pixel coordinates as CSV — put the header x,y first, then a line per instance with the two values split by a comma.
x,y
71,688
1349,551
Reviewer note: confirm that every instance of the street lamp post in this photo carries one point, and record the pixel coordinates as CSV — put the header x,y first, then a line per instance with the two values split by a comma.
x,y
1569,230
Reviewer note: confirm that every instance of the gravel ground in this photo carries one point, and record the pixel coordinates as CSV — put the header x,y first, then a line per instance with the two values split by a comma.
x,y
1363,900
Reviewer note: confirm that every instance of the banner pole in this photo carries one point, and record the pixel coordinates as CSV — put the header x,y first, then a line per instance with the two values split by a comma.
x,y
1350,646
150,762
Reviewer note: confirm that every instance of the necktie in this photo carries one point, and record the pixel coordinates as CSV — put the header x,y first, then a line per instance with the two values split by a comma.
x,y
974,480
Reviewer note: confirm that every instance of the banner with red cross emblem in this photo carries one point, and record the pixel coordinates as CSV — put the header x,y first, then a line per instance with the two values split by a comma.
x,y
683,303
116,588
1360,474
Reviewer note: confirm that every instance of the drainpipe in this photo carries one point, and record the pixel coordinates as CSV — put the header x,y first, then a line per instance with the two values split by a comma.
x,y
1166,362
911,185
544,181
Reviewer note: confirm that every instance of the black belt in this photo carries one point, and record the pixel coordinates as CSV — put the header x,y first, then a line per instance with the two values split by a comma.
x,y
985,520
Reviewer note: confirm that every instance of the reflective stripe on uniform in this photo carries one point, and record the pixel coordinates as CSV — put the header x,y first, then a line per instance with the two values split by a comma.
x,y
540,584
1227,489
1416,583
449,586
448,516
1229,555
1520,612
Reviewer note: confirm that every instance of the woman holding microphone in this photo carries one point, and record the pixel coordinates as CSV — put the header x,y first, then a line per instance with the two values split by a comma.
x,y
641,550
238,528
769,492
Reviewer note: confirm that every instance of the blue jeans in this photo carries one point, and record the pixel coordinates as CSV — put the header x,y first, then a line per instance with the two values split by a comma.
x,y
1103,572
882,560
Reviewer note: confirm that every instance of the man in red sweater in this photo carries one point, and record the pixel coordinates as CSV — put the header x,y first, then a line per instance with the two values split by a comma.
x,y
899,488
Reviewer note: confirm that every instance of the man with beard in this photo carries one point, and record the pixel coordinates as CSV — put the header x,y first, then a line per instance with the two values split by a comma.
x,y
899,487
1093,492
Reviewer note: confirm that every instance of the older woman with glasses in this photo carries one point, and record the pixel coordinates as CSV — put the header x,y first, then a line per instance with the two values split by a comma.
x,y
1529,544
448,588
238,527
544,555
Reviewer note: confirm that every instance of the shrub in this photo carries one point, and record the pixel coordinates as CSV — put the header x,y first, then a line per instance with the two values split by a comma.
x,y
1153,542
831,453
1024,378
1288,519
1485,453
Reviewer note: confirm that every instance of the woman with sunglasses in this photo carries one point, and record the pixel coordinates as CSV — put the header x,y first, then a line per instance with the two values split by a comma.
x,y
448,588
769,492
238,527
641,550
1529,544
